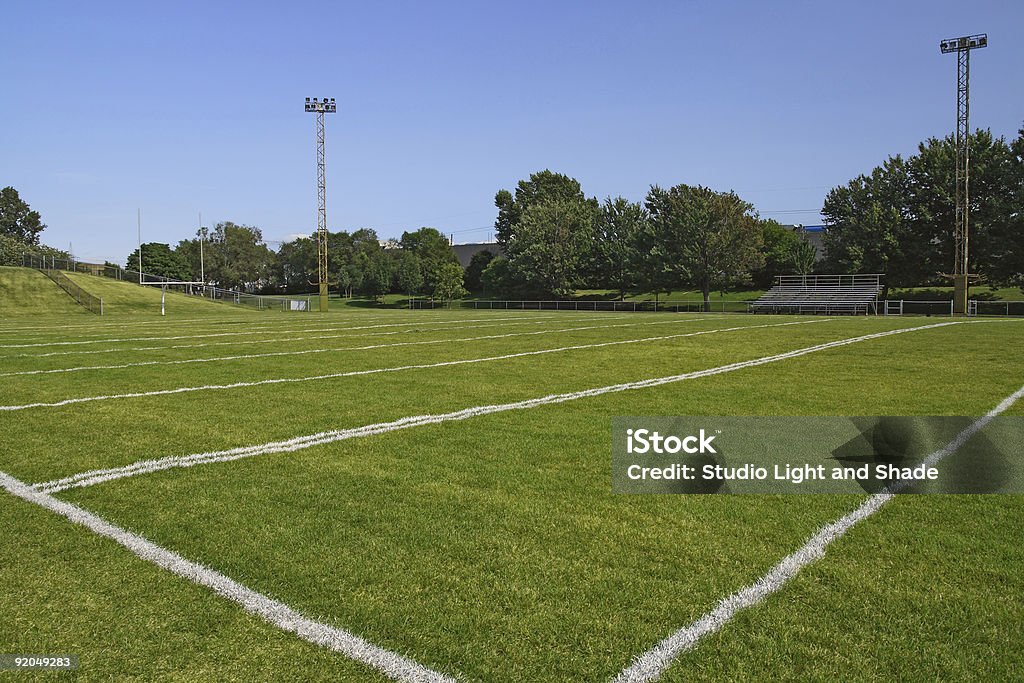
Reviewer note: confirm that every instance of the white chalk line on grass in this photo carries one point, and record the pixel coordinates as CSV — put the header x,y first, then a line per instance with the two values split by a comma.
x,y
277,340
215,324
653,663
304,352
99,476
242,333
374,371
276,613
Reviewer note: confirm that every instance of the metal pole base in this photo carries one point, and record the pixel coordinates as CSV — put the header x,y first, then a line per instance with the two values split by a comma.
x,y
959,295
323,297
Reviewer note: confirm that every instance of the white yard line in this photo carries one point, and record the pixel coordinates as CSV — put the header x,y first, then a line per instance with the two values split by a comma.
x,y
217,325
303,352
277,614
653,663
301,442
278,340
373,371
242,333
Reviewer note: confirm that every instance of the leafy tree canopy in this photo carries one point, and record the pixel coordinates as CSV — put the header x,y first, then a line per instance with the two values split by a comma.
x,y
17,219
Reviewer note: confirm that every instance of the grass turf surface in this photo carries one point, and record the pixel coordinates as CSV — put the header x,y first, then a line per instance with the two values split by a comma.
x,y
492,549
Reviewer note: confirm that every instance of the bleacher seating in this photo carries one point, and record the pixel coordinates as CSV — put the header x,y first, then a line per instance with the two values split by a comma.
x,y
823,294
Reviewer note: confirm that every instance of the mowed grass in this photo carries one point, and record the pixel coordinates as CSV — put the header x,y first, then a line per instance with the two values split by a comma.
x,y
26,293
492,549
127,298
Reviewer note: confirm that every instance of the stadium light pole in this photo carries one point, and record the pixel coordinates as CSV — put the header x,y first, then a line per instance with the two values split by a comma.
x,y
321,107
962,47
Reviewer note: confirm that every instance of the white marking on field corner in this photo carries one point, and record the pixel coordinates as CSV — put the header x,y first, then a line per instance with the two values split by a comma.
x,y
303,352
93,477
374,371
277,614
653,663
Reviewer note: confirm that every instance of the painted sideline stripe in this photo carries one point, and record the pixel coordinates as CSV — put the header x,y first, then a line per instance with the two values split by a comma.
x,y
653,663
243,333
343,348
374,371
93,477
276,613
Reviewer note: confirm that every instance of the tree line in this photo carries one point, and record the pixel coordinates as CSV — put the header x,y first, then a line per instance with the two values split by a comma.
x,y
898,219
553,240
421,263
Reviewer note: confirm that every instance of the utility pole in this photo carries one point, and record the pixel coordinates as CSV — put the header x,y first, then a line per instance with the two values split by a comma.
x,y
962,47
321,107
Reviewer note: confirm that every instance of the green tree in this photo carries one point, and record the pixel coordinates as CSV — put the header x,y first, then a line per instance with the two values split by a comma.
x,y
238,258
13,252
160,260
497,278
295,266
433,251
898,220
475,270
545,230
549,248
17,219
779,245
408,272
616,227
449,283
374,272
803,256
868,227
710,240
541,187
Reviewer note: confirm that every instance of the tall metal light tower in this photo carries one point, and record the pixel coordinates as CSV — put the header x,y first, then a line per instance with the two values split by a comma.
x,y
962,47
321,107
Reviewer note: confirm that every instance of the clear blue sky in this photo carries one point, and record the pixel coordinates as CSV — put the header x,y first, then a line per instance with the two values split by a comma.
x,y
182,107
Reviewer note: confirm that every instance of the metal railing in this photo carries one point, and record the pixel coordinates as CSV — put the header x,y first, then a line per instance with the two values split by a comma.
x,y
89,301
1007,308
667,305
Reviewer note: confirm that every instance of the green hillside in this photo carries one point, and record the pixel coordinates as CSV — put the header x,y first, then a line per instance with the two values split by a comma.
x,y
128,298
27,292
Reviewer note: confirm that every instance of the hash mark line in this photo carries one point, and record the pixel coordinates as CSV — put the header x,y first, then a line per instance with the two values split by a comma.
x,y
240,334
93,477
277,614
653,663
374,371
337,349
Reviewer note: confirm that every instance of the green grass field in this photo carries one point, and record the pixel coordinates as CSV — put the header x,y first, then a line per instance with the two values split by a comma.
x,y
26,293
488,548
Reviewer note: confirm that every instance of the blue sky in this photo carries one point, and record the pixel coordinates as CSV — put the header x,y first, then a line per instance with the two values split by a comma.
x,y
181,108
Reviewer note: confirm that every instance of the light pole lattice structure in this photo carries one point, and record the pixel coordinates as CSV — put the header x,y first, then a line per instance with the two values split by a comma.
x,y
321,107
962,47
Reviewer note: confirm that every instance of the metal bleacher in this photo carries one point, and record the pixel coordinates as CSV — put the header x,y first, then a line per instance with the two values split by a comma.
x,y
824,294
